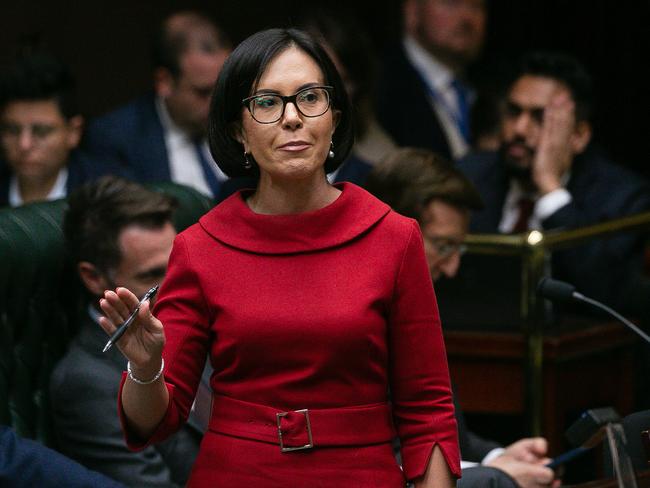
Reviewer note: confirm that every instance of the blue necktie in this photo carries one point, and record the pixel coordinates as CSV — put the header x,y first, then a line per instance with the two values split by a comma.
x,y
462,95
208,172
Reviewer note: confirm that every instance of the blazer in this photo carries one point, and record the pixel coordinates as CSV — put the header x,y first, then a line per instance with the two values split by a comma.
x,y
322,310
403,107
81,169
83,392
600,191
25,463
133,136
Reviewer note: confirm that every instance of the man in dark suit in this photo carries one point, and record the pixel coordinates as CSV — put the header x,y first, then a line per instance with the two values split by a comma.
x,y
162,135
421,185
26,463
547,175
423,99
40,129
119,234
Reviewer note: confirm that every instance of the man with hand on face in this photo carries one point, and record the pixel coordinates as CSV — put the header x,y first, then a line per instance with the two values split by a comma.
x,y
547,175
162,135
40,129
423,186
119,234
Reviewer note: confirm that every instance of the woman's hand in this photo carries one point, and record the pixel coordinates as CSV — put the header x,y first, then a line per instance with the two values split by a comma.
x,y
143,341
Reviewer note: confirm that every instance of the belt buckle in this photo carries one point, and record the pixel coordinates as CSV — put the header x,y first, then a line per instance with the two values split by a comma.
x,y
303,411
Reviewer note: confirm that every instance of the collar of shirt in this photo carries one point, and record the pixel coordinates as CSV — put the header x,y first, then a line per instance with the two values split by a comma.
x,y
435,74
516,192
94,313
57,191
184,165
438,78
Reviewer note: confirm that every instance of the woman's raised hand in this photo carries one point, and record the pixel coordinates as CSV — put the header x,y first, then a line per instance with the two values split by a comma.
x,y
143,341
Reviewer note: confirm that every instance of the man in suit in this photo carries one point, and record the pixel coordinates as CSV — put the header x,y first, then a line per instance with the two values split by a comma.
x,y
162,135
421,185
548,175
119,234
26,463
423,99
40,129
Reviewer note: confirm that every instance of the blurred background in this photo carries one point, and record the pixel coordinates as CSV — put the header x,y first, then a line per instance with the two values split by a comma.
x,y
106,45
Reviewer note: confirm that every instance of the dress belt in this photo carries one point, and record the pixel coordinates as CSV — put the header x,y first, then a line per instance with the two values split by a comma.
x,y
304,428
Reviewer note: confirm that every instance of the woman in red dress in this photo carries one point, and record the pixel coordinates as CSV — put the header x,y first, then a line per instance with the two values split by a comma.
x,y
311,300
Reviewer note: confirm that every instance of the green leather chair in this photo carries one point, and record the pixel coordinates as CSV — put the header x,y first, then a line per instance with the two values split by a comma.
x,y
40,296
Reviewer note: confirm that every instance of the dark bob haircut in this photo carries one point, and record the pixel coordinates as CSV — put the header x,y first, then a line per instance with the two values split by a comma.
x,y
238,79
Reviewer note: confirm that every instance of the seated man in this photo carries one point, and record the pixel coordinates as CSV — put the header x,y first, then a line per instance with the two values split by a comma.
x,y
40,129
26,463
421,185
161,136
119,234
547,175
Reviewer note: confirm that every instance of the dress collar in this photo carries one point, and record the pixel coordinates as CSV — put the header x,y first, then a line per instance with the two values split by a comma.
x,y
353,213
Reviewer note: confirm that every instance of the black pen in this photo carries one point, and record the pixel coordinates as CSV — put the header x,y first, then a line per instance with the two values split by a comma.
x,y
119,332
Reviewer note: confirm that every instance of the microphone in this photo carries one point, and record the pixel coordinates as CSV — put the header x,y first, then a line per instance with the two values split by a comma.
x,y
559,291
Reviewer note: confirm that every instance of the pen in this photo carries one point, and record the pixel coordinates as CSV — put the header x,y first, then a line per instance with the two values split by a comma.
x,y
119,332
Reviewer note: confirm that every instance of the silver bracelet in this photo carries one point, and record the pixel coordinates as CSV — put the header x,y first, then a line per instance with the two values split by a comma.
x,y
140,382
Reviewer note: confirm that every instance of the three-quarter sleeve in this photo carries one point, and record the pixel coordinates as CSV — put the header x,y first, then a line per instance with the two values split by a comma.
x,y
419,377
182,309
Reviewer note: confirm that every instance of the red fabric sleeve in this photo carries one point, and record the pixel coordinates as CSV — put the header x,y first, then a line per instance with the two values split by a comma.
x,y
422,403
183,311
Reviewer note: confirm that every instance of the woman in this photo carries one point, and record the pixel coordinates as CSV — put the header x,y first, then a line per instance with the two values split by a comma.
x,y
311,300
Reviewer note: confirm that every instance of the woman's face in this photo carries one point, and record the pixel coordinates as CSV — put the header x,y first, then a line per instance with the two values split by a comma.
x,y
294,147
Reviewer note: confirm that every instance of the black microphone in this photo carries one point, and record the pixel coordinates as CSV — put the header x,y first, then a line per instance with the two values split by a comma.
x,y
560,291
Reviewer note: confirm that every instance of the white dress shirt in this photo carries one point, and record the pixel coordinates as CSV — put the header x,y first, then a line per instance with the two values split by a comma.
x,y
184,165
545,206
58,190
439,79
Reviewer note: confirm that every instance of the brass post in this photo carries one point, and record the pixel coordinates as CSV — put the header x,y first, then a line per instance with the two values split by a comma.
x,y
532,314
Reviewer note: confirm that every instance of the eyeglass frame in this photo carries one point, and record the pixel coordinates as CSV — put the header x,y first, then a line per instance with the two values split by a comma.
x,y
444,247
290,98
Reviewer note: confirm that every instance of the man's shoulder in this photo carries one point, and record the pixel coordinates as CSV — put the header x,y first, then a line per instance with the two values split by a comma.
x,y
596,168
477,164
126,117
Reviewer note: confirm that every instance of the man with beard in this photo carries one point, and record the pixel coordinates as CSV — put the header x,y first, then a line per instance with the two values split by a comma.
x,y
423,99
548,175
161,136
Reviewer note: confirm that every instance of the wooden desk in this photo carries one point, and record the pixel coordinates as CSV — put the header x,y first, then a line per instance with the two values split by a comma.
x,y
587,367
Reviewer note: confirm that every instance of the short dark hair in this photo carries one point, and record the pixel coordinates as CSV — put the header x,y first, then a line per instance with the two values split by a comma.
x,y
237,80
409,178
565,69
38,76
98,211
168,47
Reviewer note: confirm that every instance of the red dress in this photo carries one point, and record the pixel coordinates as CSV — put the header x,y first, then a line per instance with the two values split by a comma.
x,y
322,310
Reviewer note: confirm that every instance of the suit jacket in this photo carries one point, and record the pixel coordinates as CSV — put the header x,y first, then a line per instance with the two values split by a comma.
x,y
600,191
403,107
25,463
472,446
83,388
132,136
81,169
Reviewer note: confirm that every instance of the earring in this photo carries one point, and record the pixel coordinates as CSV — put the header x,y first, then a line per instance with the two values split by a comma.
x,y
330,154
247,163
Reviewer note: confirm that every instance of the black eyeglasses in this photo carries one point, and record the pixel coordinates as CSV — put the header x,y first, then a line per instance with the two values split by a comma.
x,y
268,108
